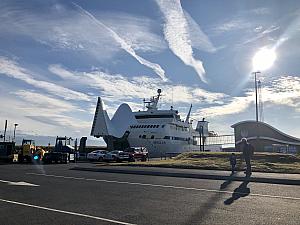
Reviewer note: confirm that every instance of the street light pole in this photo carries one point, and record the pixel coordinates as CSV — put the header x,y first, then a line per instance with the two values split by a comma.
x,y
256,98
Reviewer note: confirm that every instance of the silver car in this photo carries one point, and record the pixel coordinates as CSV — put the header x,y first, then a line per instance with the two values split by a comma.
x,y
117,156
97,155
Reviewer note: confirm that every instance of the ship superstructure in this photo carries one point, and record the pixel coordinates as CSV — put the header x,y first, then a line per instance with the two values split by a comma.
x,y
160,131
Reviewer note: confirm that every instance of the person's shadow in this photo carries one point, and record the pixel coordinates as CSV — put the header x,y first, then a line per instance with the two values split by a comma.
x,y
240,191
228,181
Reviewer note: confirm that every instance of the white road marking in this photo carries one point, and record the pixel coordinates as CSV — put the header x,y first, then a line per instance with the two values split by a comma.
x,y
65,212
164,186
20,183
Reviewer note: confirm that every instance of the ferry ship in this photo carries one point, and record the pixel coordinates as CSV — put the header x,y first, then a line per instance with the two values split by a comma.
x,y
160,131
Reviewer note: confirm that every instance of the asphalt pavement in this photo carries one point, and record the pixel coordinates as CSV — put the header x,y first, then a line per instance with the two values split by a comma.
x,y
57,194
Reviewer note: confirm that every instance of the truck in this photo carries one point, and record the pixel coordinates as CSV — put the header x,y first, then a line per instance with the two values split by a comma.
x,y
63,151
27,151
8,151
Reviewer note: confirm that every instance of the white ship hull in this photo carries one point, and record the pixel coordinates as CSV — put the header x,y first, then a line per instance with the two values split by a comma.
x,y
159,148
160,131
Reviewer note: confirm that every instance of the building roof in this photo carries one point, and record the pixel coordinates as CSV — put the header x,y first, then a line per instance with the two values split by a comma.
x,y
267,125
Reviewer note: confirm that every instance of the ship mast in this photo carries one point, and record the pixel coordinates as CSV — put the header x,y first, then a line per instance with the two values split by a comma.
x,y
152,103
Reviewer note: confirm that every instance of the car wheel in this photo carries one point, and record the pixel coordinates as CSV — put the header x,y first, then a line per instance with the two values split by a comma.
x,y
119,160
100,159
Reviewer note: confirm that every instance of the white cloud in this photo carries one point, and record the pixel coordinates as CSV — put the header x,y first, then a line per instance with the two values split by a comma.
x,y
198,38
11,68
176,33
62,121
236,105
232,25
283,91
137,88
138,32
28,113
124,45
63,28
44,103
291,31
59,70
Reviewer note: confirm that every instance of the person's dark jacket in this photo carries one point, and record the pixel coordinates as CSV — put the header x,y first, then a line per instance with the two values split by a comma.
x,y
248,151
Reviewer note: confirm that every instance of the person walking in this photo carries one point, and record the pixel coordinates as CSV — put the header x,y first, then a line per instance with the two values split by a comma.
x,y
248,151
232,160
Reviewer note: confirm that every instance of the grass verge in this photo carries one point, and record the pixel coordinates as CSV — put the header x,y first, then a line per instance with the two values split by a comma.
x,y
261,162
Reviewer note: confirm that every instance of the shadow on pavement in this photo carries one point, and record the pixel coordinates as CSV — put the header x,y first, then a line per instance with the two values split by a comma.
x,y
203,211
240,191
228,181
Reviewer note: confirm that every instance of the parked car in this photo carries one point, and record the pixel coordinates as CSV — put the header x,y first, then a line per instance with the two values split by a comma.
x,y
97,155
138,153
117,156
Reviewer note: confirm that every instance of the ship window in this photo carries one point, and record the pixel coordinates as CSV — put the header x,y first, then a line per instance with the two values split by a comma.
x,y
144,136
140,136
140,126
153,116
148,126
152,137
167,137
162,126
151,126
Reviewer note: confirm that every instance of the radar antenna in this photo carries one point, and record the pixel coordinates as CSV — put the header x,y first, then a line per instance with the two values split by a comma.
x,y
152,103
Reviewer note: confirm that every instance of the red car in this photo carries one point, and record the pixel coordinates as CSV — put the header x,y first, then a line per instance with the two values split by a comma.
x,y
137,153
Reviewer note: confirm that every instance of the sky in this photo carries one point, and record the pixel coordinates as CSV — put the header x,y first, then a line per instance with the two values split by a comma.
x,y
57,57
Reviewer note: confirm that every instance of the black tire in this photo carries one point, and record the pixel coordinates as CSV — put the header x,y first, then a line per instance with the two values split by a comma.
x,y
144,159
28,159
100,159
20,158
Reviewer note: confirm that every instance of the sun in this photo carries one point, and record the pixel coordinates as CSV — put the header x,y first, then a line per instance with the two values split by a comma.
x,y
263,59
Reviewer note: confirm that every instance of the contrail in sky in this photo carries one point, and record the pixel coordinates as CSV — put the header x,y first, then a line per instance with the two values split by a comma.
x,y
124,45
177,34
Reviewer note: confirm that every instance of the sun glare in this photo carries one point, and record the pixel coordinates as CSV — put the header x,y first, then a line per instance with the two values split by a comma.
x,y
263,59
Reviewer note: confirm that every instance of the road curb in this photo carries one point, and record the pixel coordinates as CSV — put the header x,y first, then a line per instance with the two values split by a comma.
x,y
192,175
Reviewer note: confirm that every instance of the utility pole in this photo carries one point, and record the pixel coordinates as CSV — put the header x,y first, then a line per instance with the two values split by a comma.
x,y
200,140
15,131
256,95
5,127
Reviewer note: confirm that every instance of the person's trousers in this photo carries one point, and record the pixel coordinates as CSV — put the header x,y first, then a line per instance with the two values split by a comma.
x,y
248,165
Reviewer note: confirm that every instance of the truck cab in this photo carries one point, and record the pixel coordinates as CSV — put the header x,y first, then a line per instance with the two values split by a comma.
x,y
27,151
